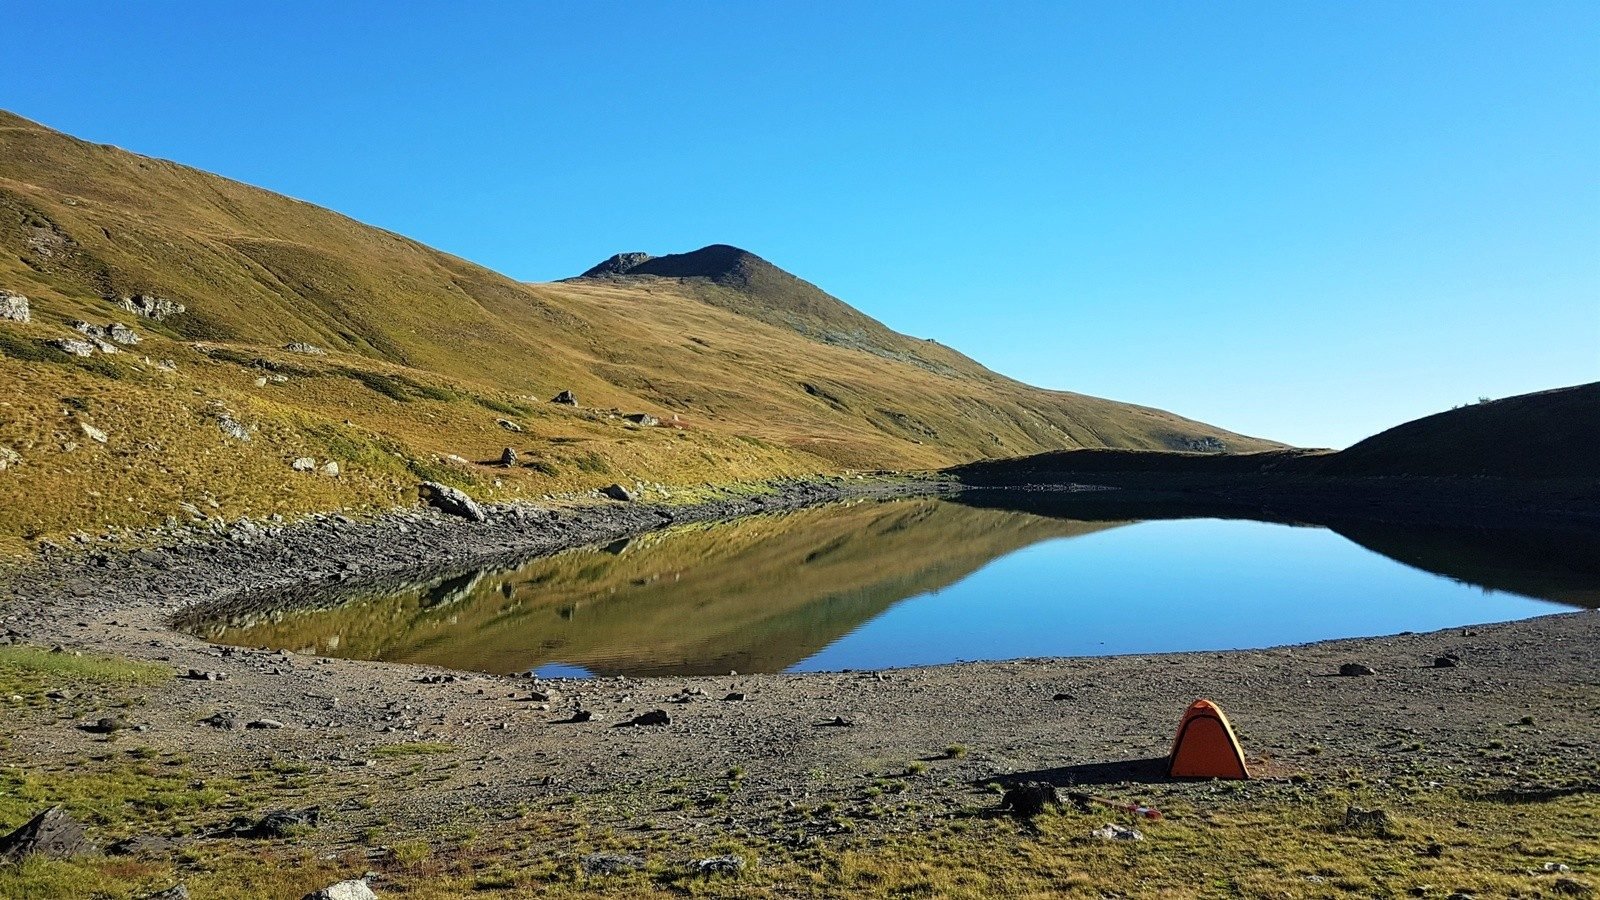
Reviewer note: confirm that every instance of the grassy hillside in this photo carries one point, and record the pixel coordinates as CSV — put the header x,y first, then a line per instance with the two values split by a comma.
x,y
433,365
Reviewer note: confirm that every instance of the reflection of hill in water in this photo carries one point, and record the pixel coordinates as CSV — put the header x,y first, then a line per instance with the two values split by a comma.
x,y
757,595
1562,566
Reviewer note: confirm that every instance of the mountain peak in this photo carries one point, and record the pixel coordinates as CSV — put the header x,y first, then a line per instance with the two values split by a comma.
x,y
721,263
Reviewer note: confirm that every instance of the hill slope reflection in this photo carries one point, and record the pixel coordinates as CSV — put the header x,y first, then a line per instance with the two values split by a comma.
x,y
755,595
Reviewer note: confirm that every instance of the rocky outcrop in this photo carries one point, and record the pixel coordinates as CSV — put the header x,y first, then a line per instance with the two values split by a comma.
x,y
52,834
303,347
122,334
14,307
619,264
645,419
450,501
149,306
72,346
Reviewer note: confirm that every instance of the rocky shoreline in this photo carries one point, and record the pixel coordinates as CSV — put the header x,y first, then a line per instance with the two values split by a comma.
x,y
751,757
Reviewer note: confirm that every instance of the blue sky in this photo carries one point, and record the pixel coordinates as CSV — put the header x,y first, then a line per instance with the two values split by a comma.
x,y
1303,221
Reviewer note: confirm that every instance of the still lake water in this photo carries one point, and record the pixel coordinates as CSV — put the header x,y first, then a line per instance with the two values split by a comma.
x,y
915,582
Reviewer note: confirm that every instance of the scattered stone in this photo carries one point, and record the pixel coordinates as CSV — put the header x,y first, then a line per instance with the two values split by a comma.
x,y
92,433
1353,670
14,307
653,717
642,419
566,398
509,425
1111,831
1059,697
86,328
1029,799
201,675
150,307
264,724
611,863
836,722
581,715
261,382
108,725
436,679
717,865
9,458
226,721
1447,661
303,464
450,501
122,334
277,824
508,457
617,492
232,427
1372,821
52,834
354,889
73,346
303,347
734,697
330,469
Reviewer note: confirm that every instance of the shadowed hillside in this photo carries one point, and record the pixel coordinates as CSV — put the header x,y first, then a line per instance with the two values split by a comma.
x,y
325,339
1549,434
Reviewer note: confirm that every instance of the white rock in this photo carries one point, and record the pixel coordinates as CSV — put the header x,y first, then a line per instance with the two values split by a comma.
x,y
331,469
303,464
14,306
92,432
354,889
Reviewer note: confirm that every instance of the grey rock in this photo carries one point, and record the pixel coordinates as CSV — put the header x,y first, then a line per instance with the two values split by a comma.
x,y
509,425
1356,670
450,501
277,824
354,889
642,419
149,306
226,721
14,307
72,346
653,717
1030,799
717,865
566,398
92,433
508,457
618,264
1111,831
1447,661
611,863
330,469
9,458
617,492
51,833
108,725
303,347
232,427
87,328
303,464
261,724
122,334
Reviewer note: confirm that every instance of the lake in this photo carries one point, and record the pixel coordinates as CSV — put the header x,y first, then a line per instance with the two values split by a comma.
x,y
883,584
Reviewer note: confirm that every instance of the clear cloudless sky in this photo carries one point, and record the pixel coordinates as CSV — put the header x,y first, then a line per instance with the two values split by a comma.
x,y
1306,221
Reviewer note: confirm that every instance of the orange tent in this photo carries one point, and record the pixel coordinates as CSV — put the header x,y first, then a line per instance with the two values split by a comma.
x,y
1206,746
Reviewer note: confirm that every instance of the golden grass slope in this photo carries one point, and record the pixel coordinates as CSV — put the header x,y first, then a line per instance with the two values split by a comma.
x,y
427,352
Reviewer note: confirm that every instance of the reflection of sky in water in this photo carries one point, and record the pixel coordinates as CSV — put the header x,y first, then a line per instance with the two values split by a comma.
x,y
562,670
1195,584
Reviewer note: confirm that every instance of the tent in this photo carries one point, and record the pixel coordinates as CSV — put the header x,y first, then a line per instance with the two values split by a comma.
x,y
1206,746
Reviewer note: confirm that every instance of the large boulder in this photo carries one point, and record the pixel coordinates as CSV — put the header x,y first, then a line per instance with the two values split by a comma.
x,y
450,501
565,398
149,306
72,346
51,833
617,492
354,889
14,307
